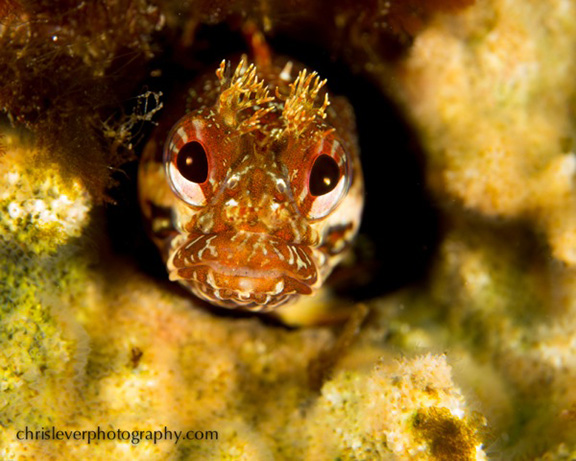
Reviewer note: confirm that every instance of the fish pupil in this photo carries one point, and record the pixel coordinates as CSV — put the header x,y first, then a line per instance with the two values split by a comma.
x,y
324,175
192,162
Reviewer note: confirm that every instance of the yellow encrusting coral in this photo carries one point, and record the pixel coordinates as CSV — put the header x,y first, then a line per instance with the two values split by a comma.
x,y
476,361
41,345
85,348
492,91
407,409
40,209
492,94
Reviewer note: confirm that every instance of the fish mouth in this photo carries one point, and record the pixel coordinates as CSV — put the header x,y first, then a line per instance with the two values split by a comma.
x,y
244,270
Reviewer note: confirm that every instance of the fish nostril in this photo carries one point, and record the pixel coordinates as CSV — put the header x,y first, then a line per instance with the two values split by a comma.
x,y
281,186
232,182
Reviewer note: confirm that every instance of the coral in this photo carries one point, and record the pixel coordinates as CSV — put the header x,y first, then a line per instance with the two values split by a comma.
x,y
41,346
492,94
408,409
40,209
511,155
94,346
475,361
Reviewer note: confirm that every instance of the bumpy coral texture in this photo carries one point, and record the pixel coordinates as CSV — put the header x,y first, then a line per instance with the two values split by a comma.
x,y
491,91
429,416
41,348
81,350
476,362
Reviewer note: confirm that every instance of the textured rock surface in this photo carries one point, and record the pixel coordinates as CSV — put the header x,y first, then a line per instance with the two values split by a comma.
x,y
477,361
89,342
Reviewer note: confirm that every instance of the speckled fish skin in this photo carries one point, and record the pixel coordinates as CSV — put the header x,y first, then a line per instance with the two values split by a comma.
x,y
252,235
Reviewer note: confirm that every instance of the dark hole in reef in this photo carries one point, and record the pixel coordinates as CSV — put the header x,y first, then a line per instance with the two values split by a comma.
x,y
399,231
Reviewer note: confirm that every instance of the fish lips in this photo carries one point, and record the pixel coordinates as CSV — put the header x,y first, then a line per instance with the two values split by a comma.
x,y
252,271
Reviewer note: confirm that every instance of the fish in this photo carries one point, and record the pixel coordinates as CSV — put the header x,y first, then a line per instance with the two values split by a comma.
x,y
251,186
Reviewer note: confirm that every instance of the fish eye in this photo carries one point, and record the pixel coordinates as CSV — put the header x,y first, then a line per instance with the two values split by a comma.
x,y
328,180
187,164
324,175
192,162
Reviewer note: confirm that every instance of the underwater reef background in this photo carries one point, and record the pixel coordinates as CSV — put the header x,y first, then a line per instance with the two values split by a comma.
x,y
466,261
